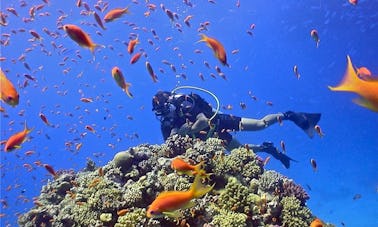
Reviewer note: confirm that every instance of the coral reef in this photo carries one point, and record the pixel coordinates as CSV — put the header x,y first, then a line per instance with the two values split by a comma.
x,y
118,193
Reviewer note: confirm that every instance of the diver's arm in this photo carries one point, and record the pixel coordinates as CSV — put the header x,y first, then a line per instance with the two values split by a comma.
x,y
174,131
193,128
201,123
166,132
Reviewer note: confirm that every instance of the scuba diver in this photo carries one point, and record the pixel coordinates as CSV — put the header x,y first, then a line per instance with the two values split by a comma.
x,y
190,114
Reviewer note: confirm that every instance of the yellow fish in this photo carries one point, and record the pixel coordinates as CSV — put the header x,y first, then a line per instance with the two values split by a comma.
x,y
8,93
367,90
120,80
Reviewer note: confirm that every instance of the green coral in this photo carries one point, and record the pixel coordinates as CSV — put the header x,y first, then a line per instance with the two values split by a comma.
x,y
82,215
175,182
106,217
137,217
237,197
241,163
105,197
133,194
229,219
293,214
270,180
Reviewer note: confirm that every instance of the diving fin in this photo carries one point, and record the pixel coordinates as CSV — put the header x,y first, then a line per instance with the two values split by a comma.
x,y
283,158
306,121
269,148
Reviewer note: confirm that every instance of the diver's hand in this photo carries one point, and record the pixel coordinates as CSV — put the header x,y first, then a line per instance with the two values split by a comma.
x,y
185,129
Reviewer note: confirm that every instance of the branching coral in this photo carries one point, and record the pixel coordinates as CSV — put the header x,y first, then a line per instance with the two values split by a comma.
x,y
173,182
236,197
293,214
176,145
271,181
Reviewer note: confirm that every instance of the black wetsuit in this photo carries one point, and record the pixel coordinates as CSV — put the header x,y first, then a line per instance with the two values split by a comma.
x,y
223,123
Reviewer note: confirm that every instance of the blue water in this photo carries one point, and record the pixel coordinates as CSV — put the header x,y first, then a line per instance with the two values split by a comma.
x,y
346,156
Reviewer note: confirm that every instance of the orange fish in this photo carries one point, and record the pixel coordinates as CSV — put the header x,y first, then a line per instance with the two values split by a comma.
x,y
120,80
8,94
316,223
315,35
122,212
17,139
217,47
51,170
364,73
266,161
90,128
35,35
80,37
182,166
135,57
151,72
131,45
367,90
44,119
115,13
186,20
86,100
98,20
319,130
353,2
168,202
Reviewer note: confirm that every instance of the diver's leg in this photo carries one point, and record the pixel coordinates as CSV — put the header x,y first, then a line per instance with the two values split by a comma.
x,y
306,121
233,144
269,148
250,124
266,147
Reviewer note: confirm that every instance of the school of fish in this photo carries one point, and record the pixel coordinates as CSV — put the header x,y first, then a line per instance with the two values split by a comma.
x,y
68,40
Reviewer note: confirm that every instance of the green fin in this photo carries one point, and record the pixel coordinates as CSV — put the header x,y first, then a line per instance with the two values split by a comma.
x,y
190,204
173,214
198,189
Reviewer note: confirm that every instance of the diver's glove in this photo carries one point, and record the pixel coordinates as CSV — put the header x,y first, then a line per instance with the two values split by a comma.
x,y
185,129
